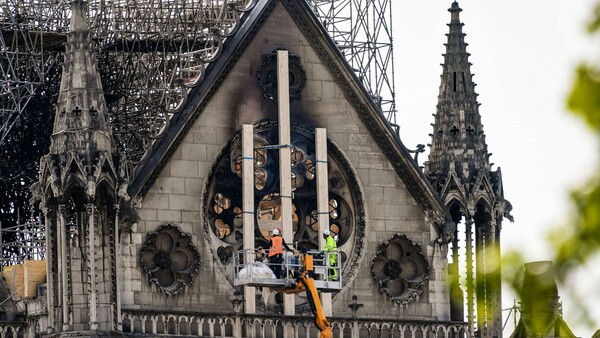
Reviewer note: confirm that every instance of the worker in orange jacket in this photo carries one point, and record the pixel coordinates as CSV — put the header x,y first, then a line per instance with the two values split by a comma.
x,y
277,245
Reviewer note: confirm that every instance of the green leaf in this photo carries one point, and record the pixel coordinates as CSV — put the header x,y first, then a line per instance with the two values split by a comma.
x,y
584,99
594,25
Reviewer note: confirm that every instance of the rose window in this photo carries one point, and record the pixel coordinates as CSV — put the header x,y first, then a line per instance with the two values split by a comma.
x,y
400,269
267,76
224,194
170,259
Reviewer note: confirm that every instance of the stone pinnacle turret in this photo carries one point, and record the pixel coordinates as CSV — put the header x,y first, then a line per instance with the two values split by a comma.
x,y
80,122
458,140
460,171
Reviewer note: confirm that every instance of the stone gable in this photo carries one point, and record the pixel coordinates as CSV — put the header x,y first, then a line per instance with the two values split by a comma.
x,y
176,196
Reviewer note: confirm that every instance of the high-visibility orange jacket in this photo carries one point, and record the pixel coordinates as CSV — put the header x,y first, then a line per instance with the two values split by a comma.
x,y
276,246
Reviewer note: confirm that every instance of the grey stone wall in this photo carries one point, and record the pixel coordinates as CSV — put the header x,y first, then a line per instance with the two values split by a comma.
x,y
176,196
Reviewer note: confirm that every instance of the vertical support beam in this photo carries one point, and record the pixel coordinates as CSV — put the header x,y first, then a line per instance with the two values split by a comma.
x,y
50,289
285,159
91,263
62,230
469,268
117,262
323,201
248,209
322,183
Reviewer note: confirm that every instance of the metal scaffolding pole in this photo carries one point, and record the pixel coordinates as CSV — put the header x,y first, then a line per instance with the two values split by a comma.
x,y
150,53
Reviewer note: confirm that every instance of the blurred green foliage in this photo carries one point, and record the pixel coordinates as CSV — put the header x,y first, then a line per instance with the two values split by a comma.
x,y
584,99
578,240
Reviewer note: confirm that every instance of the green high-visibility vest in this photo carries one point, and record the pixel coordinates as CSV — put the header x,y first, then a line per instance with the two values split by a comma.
x,y
330,245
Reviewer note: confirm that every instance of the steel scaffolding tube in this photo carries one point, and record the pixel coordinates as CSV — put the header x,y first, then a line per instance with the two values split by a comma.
x,y
150,53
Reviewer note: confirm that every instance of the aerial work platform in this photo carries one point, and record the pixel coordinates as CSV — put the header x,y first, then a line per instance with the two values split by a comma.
x,y
252,268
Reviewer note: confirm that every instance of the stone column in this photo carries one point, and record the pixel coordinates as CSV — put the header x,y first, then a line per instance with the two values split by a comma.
x,y
469,270
496,292
117,324
64,274
484,278
91,263
50,259
480,280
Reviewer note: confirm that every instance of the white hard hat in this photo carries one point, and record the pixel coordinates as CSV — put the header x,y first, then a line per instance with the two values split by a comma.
x,y
276,232
326,232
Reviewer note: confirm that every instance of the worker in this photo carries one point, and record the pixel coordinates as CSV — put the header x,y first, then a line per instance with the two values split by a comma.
x,y
330,250
277,244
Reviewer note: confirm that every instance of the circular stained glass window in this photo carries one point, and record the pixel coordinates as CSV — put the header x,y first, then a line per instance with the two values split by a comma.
x,y
223,200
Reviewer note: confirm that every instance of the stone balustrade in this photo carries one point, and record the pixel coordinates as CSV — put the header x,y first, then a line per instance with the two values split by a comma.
x,y
262,326
12,330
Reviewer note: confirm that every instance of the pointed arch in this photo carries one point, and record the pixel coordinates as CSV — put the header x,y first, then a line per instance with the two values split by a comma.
x,y
73,184
105,190
483,212
456,209
483,189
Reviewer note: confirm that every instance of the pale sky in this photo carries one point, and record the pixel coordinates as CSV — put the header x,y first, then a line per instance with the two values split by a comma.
x,y
523,55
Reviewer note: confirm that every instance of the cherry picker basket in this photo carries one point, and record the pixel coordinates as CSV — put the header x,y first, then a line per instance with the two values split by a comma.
x,y
252,268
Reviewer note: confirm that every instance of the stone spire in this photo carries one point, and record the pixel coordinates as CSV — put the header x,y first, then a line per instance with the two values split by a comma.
x,y
460,171
458,140
78,190
80,123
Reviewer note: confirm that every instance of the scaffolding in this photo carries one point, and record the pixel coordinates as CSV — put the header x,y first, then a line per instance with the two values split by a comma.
x,y
150,53
23,242
30,33
362,30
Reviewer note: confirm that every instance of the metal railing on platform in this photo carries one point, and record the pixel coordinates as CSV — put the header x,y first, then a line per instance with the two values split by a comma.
x,y
253,267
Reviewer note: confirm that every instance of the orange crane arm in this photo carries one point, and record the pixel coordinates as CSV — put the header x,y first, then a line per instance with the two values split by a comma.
x,y
306,283
315,302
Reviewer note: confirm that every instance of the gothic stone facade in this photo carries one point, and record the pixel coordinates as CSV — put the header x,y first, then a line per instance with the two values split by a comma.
x,y
178,195
171,266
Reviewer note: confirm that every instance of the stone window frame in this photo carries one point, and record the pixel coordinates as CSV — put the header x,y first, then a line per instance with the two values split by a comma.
x,y
354,246
161,262
401,277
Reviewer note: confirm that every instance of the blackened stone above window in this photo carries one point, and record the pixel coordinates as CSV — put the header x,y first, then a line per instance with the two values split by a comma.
x,y
267,76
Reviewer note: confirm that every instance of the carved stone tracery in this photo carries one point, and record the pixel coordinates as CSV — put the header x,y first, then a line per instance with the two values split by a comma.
x,y
267,76
400,269
223,203
170,259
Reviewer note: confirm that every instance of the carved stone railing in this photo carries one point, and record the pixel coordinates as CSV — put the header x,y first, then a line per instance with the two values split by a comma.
x,y
12,330
263,326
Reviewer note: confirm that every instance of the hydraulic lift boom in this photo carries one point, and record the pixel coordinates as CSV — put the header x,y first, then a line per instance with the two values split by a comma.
x,y
308,272
307,283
